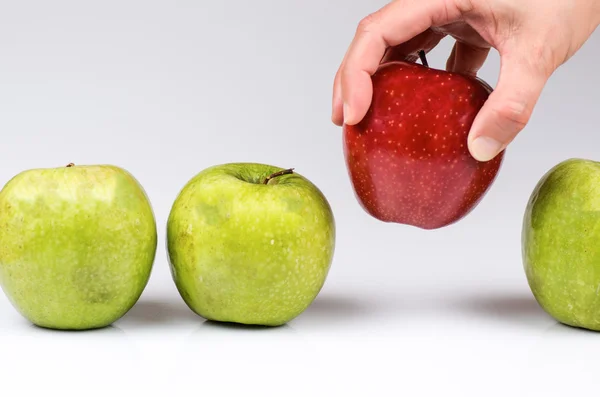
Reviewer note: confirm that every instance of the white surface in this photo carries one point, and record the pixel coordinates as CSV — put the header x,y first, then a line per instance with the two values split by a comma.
x,y
166,89
472,342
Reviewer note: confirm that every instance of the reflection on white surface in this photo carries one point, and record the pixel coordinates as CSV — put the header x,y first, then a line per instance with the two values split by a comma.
x,y
448,343
39,359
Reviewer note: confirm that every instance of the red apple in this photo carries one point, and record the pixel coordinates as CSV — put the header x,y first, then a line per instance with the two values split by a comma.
x,y
408,158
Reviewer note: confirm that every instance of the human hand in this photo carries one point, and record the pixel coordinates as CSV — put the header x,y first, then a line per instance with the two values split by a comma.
x,y
533,38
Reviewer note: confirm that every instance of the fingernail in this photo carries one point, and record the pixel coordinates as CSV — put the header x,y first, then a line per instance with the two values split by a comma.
x,y
346,113
484,148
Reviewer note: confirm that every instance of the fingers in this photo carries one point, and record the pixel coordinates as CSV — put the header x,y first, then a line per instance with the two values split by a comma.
x,y
337,113
508,109
466,59
409,50
451,59
394,24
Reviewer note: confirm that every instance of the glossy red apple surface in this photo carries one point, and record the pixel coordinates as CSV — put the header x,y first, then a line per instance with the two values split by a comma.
x,y
408,159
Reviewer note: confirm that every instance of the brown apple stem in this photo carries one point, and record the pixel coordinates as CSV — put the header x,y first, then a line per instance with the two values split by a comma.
x,y
276,174
70,165
423,58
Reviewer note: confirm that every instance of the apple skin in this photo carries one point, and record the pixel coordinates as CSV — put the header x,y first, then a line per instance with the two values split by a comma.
x,y
408,159
77,245
561,243
245,252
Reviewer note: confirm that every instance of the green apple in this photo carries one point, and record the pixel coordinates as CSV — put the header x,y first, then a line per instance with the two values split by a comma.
x,y
77,244
250,243
561,243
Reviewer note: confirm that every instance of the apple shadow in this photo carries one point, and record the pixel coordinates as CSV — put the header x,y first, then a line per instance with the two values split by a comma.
x,y
511,308
218,325
334,309
74,345
158,312
325,310
108,330
560,329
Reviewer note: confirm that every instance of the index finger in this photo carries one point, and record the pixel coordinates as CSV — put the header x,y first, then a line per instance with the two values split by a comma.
x,y
394,24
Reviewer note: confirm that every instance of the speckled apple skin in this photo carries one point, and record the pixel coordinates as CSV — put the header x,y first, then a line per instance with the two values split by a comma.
x,y
561,243
408,159
77,245
249,253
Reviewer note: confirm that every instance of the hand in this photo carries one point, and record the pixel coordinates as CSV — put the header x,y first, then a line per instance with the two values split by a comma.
x,y
533,38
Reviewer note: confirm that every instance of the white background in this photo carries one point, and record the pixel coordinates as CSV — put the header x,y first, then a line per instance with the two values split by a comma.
x,y
167,88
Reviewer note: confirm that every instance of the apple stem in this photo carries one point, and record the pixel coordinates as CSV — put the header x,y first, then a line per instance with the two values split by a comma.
x,y
70,165
423,58
276,174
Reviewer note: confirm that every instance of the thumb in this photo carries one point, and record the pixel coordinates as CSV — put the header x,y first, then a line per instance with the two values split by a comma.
x,y
508,109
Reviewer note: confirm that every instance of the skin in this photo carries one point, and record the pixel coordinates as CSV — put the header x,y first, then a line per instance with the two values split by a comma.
x,y
561,250
245,252
533,38
77,245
